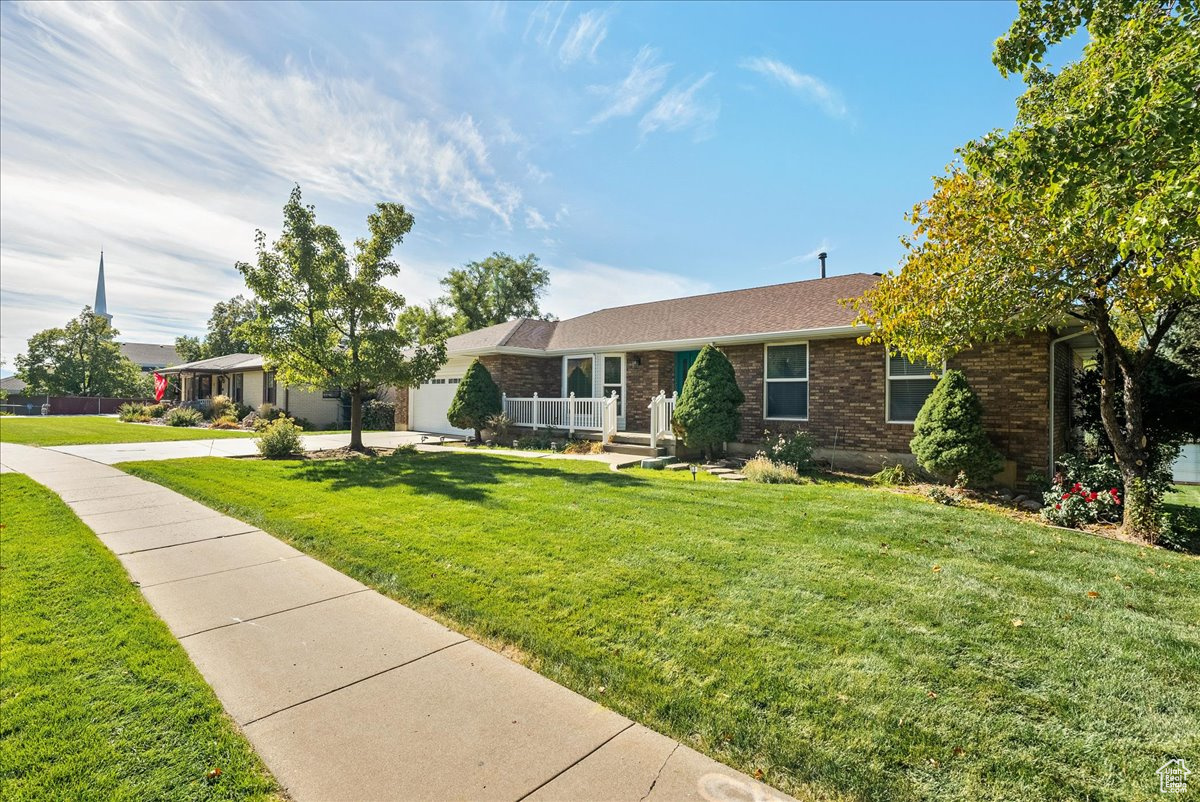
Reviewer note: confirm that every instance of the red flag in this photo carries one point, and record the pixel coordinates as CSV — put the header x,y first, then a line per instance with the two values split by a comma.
x,y
160,386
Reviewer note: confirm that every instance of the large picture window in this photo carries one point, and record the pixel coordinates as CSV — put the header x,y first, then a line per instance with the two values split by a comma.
x,y
908,385
787,382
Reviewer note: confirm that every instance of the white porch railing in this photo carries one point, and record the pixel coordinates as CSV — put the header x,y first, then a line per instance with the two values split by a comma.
x,y
662,411
570,413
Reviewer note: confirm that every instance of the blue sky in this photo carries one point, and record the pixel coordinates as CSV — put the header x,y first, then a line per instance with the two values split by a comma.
x,y
641,150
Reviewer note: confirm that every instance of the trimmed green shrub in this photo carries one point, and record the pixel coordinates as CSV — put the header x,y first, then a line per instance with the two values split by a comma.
x,y
476,400
706,413
132,412
157,410
949,438
763,470
280,438
379,416
183,416
795,449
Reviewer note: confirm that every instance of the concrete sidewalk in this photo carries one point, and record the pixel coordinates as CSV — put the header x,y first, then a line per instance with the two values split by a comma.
x,y
112,453
347,694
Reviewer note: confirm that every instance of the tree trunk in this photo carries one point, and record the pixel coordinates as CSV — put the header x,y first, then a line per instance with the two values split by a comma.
x,y
1129,441
356,443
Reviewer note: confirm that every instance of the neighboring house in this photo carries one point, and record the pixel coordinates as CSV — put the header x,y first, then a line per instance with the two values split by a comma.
x,y
794,350
245,379
12,385
150,356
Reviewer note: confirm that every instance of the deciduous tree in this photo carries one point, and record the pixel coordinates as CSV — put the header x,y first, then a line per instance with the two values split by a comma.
x,y
1085,210
82,358
226,331
324,318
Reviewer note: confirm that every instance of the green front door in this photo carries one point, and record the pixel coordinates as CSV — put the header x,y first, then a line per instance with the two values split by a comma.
x,y
683,363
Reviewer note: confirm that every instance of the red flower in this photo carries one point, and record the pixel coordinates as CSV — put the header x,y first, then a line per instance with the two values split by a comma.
x,y
1058,506
1066,495
1078,486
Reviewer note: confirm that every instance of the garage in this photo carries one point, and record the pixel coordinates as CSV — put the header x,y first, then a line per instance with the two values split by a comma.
x,y
428,403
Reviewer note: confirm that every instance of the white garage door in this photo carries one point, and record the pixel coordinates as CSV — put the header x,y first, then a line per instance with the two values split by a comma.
x,y
429,402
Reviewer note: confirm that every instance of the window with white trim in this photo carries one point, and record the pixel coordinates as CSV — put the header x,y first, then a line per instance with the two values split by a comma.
x,y
908,385
786,382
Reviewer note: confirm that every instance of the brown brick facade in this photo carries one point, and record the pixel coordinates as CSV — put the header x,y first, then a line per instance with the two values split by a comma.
x,y
847,393
522,376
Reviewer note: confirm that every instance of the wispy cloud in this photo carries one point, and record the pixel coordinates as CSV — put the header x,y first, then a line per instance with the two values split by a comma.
x,y
646,77
807,86
576,290
682,107
544,21
534,220
810,256
584,37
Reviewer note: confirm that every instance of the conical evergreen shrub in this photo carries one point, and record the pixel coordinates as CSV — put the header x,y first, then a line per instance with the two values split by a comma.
x,y
949,437
476,400
707,410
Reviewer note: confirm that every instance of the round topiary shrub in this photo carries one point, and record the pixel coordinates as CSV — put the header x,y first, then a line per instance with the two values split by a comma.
x,y
949,438
278,439
706,413
476,400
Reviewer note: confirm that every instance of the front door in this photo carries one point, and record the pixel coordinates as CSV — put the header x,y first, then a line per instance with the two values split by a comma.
x,y
613,378
683,363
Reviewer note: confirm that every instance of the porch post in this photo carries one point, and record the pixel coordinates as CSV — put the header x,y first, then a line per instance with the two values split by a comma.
x,y
571,415
503,403
535,411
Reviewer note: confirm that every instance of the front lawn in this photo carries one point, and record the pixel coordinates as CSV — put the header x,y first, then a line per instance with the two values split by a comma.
x,y
74,431
97,700
849,642
1186,496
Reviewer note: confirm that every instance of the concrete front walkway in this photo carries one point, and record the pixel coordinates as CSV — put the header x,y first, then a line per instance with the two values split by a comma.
x,y
349,695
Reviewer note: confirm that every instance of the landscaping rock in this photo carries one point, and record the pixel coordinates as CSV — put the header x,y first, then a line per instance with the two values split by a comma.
x,y
653,463
677,466
1031,504
730,476
719,471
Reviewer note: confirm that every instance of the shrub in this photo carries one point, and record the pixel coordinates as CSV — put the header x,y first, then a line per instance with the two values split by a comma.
x,y
304,423
500,425
894,476
268,412
221,406
157,410
794,449
706,413
132,411
475,401
1083,492
763,470
379,416
538,441
183,416
278,439
949,438
1179,529
225,423
945,495
583,447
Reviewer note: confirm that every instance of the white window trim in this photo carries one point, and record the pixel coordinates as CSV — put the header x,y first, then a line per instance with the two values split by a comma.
x,y
807,376
887,388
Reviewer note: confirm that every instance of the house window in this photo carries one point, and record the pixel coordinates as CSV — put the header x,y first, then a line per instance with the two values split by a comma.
x,y
908,385
235,387
614,374
787,382
269,388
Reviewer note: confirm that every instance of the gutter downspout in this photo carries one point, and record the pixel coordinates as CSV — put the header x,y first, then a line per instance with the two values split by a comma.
x,y
1053,375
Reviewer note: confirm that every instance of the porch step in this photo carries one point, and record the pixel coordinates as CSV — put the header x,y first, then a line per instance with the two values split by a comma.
x,y
632,438
634,450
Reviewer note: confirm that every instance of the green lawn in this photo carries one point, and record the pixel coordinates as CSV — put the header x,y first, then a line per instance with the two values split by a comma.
x,y
97,700
848,641
74,431
1188,495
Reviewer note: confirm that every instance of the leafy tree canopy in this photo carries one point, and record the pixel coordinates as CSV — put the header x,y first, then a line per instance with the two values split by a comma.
x,y
482,294
325,319
1085,210
226,334
81,358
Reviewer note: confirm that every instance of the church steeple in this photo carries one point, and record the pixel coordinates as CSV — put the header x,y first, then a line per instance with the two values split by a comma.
x,y
100,308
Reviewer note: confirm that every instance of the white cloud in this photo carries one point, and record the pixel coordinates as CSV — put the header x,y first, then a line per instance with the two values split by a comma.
x,y
544,21
682,108
584,37
590,286
534,219
810,256
644,80
807,86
